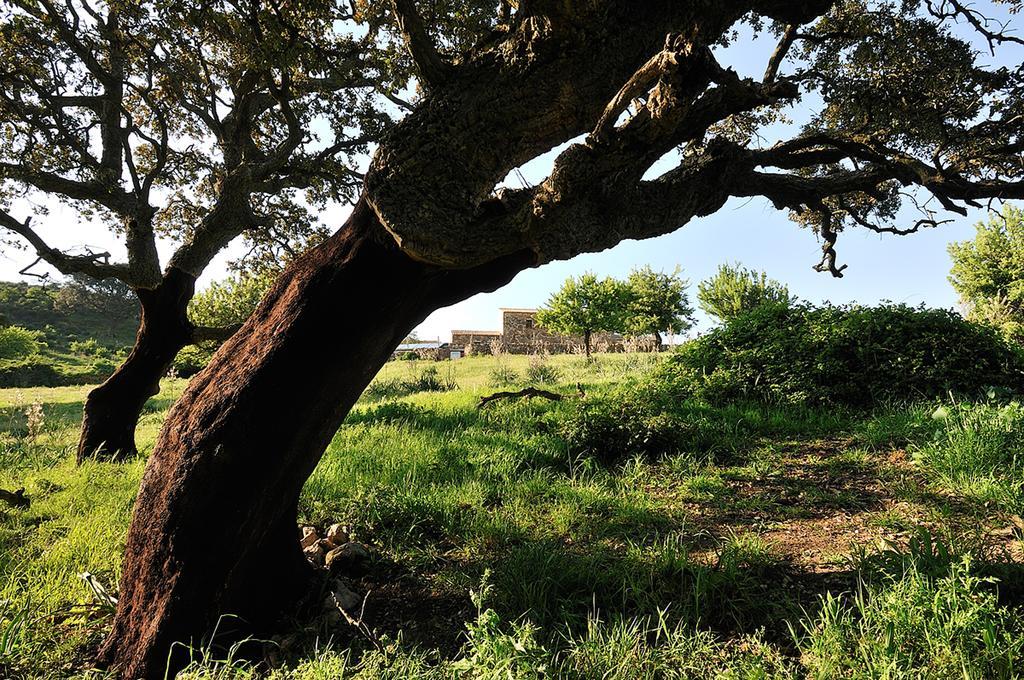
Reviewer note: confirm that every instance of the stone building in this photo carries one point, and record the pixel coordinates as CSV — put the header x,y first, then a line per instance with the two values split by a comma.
x,y
431,351
520,334
475,342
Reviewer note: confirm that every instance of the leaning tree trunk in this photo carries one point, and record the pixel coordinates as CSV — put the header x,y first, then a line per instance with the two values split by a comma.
x,y
214,531
112,410
657,341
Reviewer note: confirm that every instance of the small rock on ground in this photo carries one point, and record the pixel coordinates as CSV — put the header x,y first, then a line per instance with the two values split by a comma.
x,y
347,557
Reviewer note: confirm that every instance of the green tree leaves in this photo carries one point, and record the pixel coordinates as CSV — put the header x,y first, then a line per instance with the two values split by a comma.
x,y
734,290
584,306
988,272
646,303
656,302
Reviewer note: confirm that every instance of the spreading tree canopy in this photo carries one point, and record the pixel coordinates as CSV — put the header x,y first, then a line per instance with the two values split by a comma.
x,y
188,123
895,106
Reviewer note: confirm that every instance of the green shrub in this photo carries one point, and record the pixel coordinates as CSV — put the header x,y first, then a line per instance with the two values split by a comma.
x,y
88,347
503,376
18,343
848,355
979,452
540,371
653,417
33,371
613,428
191,360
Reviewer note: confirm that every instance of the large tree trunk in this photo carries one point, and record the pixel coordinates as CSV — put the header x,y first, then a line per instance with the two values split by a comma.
x,y
112,410
214,530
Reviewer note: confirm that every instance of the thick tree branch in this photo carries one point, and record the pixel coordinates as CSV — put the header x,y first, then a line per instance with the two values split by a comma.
x,y
113,198
789,36
521,394
433,70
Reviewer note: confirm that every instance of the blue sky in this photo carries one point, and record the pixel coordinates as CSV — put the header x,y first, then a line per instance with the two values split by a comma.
x,y
911,269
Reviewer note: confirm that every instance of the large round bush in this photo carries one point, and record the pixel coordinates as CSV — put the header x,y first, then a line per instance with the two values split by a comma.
x,y
849,355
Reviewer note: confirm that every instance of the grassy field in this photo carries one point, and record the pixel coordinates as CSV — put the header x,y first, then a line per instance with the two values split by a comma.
x,y
781,542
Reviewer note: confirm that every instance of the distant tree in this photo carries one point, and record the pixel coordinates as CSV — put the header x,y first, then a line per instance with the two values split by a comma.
x,y
223,304
988,273
111,299
734,290
229,302
584,306
656,302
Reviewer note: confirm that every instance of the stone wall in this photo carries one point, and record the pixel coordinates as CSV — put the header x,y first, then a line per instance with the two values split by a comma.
x,y
474,342
522,335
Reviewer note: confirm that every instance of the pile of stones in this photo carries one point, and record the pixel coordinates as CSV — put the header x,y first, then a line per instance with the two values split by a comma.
x,y
343,558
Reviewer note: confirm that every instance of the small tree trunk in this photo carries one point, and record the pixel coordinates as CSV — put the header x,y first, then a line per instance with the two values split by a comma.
x,y
586,344
112,410
214,529
657,341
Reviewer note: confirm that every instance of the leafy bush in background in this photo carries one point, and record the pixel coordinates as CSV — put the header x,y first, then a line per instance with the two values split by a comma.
x,y
733,291
850,355
88,347
18,343
191,360
988,272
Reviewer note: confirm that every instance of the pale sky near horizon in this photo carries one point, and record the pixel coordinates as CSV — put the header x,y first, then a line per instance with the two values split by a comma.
x,y
911,269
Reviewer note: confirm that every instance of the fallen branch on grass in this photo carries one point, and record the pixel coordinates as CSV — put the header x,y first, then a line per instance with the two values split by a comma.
x,y
521,394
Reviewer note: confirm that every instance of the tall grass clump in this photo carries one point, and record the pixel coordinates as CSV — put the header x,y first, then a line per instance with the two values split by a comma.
x,y
503,375
979,452
912,624
428,379
541,371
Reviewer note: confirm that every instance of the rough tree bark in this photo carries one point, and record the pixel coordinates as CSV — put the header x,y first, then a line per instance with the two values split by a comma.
x,y
221,492
112,410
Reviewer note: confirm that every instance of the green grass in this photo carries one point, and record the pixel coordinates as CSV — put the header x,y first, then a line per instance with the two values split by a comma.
x,y
502,549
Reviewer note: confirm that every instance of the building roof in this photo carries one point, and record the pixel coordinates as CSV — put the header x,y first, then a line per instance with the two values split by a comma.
x,y
410,346
476,332
518,310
